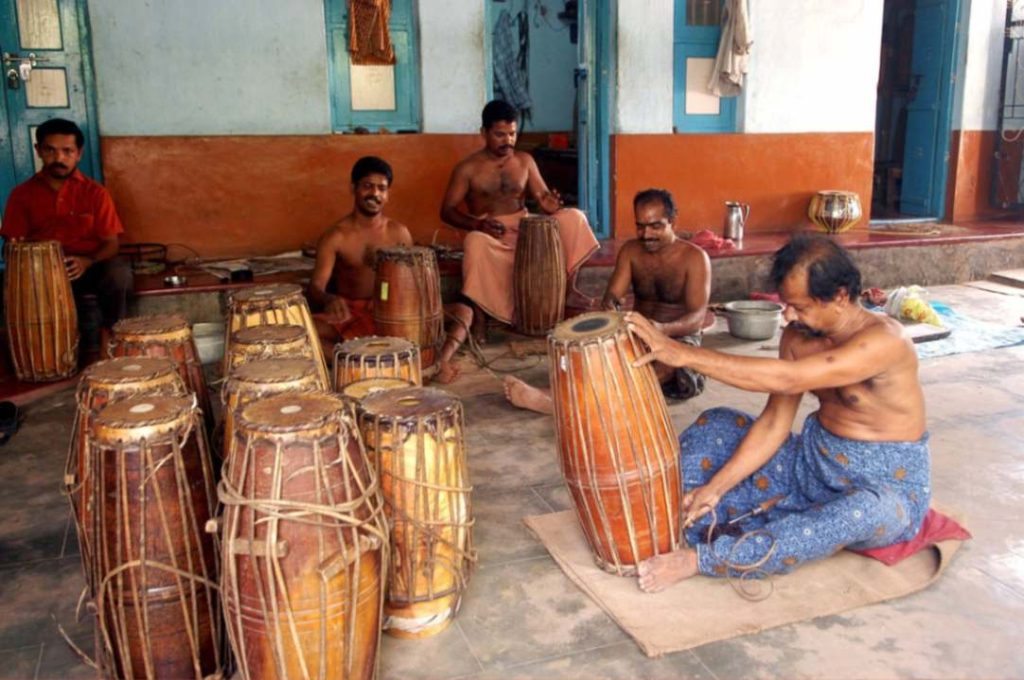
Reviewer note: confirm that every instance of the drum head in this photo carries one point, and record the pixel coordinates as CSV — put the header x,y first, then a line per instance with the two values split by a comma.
x,y
268,335
265,371
291,412
361,389
142,417
588,326
375,346
151,325
128,370
410,403
274,291
406,254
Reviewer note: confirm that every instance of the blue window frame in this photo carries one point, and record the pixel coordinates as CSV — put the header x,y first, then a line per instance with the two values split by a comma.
x,y
696,33
405,114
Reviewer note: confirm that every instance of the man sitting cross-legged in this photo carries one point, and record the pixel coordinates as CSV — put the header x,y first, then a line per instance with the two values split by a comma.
x,y
671,282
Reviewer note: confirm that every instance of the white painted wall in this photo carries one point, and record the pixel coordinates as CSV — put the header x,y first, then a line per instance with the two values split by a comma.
x,y
452,64
644,96
814,66
195,67
982,66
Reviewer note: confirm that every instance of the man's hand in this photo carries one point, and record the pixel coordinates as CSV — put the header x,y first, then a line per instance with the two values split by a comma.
x,y
551,202
338,310
697,503
491,227
662,348
76,265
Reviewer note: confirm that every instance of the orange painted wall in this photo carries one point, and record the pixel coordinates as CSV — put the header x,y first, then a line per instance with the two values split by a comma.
x,y
775,173
969,185
232,196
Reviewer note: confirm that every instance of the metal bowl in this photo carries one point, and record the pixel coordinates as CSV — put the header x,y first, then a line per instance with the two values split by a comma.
x,y
175,281
753,319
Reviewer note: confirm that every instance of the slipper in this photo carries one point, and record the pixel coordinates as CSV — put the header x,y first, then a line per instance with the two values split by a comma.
x,y
9,421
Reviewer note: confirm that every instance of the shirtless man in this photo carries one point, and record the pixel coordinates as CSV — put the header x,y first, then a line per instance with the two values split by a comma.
x,y
343,276
485,197
671,281
858,474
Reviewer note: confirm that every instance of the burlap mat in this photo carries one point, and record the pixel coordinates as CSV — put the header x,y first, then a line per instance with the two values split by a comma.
x,y
702,610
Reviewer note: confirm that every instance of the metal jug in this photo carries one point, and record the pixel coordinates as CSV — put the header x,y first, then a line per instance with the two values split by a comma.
x,y
736,215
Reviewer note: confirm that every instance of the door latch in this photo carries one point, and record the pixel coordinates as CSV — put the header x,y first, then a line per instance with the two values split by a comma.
x,y
13,81
25,69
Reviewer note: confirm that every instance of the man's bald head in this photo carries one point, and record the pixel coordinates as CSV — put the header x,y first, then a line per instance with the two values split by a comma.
x,y
829,266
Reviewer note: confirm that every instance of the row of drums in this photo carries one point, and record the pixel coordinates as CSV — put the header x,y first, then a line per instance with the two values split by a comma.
x,y
319,519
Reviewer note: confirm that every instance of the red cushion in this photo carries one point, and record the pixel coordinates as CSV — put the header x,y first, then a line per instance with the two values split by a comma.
x,y
936,527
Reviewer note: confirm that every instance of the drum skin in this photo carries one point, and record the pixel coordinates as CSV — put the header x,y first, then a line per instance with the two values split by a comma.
x,y
102,383
267,342
305,542
376,357
155,565
407,299
42,321
415,436
539,278
165,336
276,304
619,453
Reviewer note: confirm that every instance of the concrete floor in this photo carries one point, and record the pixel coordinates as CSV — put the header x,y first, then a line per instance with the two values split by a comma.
x,y
522,618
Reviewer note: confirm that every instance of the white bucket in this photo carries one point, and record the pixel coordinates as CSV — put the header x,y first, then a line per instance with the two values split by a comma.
x,y
209,339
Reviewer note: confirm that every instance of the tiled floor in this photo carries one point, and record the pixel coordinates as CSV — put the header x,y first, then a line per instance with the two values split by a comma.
x,y
522,618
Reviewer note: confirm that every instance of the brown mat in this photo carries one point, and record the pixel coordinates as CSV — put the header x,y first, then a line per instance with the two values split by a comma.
x,y
668,621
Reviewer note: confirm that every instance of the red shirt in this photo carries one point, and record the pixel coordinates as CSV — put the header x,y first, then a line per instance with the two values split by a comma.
x,y
81,215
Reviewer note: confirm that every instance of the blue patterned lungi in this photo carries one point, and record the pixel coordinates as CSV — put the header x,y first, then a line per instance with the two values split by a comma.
x,y
837,493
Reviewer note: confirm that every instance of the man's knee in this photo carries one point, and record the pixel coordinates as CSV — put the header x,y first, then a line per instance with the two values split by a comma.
x,y
475,242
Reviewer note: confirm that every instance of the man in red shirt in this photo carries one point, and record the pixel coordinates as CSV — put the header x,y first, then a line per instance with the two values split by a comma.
x,y
60,203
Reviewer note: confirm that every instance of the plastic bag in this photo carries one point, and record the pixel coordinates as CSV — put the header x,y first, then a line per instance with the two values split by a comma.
x,y
907,303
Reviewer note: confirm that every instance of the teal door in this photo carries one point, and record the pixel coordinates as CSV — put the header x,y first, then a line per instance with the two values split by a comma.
x,y
45,68
594,91
926,150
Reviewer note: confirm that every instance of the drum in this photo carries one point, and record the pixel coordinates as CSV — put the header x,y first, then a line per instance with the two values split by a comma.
x,y
267,342
415,437
305,542
42,322
619,453
835,211
407,299
375,357
168,336
155,566
539,278
261,379
278,304
102,383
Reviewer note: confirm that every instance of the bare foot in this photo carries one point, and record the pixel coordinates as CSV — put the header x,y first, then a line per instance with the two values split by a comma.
x,y
524,396
447,372
657,573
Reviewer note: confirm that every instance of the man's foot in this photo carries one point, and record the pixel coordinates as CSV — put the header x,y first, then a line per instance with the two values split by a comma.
x,y
522,395
657,573
447,372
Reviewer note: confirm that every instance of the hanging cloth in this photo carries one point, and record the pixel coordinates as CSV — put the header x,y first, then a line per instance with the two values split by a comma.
x,y
369,42
509,67
733,50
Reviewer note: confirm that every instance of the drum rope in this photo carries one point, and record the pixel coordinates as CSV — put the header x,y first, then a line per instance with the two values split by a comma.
x,y
747,572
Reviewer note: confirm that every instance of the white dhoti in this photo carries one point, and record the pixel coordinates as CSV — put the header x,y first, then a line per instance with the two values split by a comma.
x,y
488,262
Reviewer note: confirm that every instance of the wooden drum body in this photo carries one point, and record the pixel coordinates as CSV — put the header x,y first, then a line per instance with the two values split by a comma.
x,y
165,336
155,566
375,357
278,304
539,278
39,305
407,299
619,453
267,342
102,383
258,380
415,436
305,542
835,211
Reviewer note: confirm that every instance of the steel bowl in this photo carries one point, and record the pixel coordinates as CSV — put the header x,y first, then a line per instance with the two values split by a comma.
x,y
753,319
175,281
